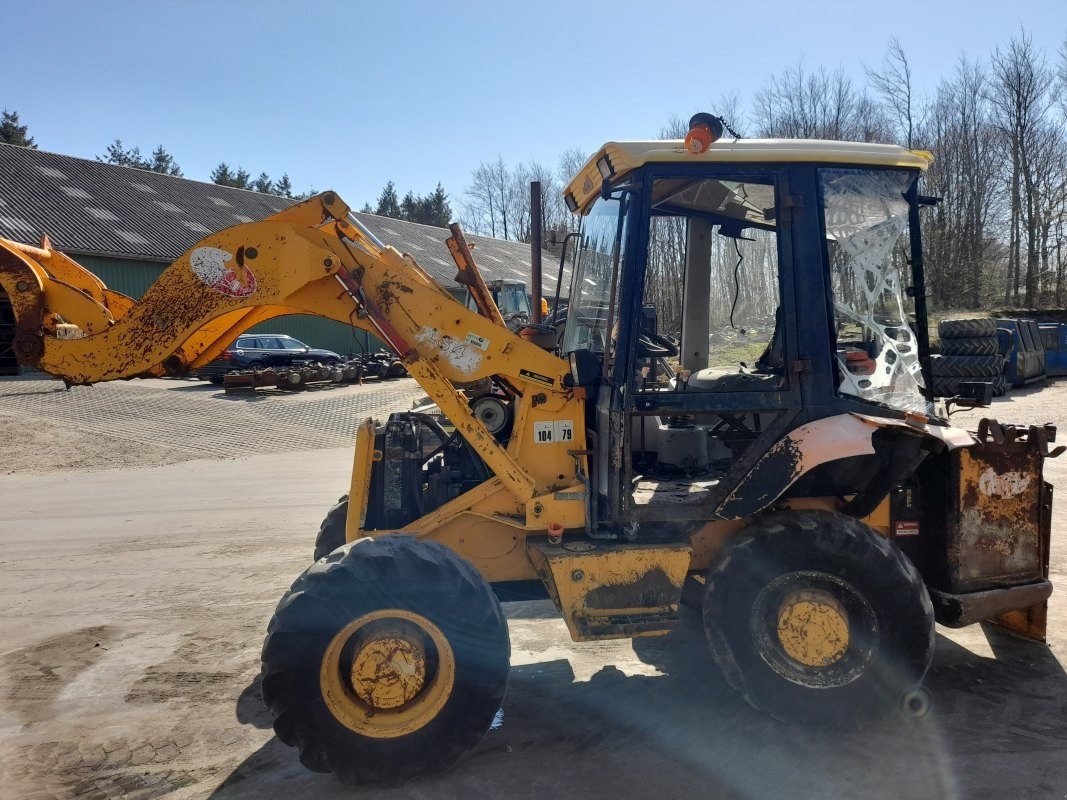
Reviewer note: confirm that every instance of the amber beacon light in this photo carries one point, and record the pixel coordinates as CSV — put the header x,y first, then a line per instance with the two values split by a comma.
x,y
703,130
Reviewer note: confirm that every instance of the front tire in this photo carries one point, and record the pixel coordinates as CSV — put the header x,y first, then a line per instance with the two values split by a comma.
x,y
386,660
814,617
332,530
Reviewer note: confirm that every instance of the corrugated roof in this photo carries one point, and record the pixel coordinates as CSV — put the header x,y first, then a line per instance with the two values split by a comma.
x,y
496,258
89,207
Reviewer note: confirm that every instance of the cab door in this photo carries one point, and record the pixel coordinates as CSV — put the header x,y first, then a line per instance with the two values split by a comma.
x,y
713,249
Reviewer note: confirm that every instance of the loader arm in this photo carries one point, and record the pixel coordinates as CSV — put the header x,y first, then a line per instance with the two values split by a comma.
x,y
314,258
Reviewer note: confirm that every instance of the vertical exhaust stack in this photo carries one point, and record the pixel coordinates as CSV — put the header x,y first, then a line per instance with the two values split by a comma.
x,y
535,249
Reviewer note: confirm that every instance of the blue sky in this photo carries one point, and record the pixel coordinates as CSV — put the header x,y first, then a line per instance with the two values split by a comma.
x,y
350,95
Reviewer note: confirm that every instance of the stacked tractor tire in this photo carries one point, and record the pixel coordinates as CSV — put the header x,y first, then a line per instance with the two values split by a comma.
x,y
970,353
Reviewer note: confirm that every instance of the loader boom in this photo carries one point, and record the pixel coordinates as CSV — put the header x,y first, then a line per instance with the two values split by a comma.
x,y
313,258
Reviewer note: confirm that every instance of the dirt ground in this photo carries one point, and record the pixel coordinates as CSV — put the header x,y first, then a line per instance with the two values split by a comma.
x,y
134,601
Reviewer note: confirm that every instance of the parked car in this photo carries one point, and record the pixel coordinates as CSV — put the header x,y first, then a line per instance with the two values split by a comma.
x,y
263,350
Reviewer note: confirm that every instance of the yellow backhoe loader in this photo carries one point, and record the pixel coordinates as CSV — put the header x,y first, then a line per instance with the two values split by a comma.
x,y
809,497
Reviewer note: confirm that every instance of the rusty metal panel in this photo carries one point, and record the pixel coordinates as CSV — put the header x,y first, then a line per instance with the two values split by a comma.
x,y
996,531
612,590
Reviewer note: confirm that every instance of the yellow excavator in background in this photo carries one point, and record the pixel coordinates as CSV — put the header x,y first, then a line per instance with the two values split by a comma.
x,y
813,501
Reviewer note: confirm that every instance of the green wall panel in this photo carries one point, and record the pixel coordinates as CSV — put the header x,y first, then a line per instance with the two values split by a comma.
x,y
122,275
134,277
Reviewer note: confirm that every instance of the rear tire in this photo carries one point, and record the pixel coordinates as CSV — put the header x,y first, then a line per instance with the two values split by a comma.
x,y
964,328
332,530
973,346
967,366
355,703
813,617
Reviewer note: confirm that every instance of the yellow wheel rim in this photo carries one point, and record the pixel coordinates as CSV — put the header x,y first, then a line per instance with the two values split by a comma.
x,y
813,628
387,673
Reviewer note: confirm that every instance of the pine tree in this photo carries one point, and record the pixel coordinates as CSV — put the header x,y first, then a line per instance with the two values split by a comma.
x,y
388,204
366,209
411,208
118,154
222,175
13,133
263,184
437,210
283,186
163,162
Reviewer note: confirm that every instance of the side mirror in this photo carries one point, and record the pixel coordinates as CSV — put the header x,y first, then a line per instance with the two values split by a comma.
x,y
585,369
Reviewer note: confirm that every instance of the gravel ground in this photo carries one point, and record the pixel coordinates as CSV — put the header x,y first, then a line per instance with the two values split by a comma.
x,y
135,599
142,423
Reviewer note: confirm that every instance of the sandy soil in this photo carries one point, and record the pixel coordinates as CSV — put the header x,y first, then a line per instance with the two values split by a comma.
x,y
133,606
37,446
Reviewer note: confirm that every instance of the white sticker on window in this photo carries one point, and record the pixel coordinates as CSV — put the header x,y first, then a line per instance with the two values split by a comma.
x,y
562,430
478,341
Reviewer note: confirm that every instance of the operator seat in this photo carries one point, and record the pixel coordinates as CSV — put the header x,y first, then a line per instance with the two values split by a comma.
x,y
766,374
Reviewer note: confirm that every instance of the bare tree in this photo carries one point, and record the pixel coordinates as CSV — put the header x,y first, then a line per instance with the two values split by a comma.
x,y
961,251
731,108
1062,74
570,162
798,104
892,82
1020,93
489,200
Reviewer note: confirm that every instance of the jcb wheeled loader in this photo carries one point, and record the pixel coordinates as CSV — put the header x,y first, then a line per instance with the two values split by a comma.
x,y
810,497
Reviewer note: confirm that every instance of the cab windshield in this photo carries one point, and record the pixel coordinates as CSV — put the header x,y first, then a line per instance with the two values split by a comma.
x,y
593,285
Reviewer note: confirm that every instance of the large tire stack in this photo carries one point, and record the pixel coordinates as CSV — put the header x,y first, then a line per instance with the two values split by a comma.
x,y
970,353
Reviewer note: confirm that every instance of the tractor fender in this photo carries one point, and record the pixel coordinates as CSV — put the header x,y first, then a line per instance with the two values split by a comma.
x,y
815,443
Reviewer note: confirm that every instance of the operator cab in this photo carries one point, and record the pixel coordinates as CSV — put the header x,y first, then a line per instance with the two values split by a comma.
x,y
511,299
777,278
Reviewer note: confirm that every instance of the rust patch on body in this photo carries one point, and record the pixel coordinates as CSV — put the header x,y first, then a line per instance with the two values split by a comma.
x,y
653,589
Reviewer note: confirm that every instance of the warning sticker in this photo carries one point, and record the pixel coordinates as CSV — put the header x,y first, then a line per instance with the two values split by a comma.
x,y
478,341
536,377
558,431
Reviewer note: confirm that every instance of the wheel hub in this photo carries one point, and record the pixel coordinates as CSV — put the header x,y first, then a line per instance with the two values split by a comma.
x,y
813,628
388,672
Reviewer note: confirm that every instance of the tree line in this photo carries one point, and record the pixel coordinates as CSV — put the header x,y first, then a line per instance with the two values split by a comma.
x,y
430,209
223,175
997,126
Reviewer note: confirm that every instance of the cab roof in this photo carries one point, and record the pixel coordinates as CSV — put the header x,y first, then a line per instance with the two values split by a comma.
x,y
624,157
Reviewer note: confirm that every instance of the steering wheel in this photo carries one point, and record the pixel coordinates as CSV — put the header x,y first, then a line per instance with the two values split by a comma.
x,y
652,345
